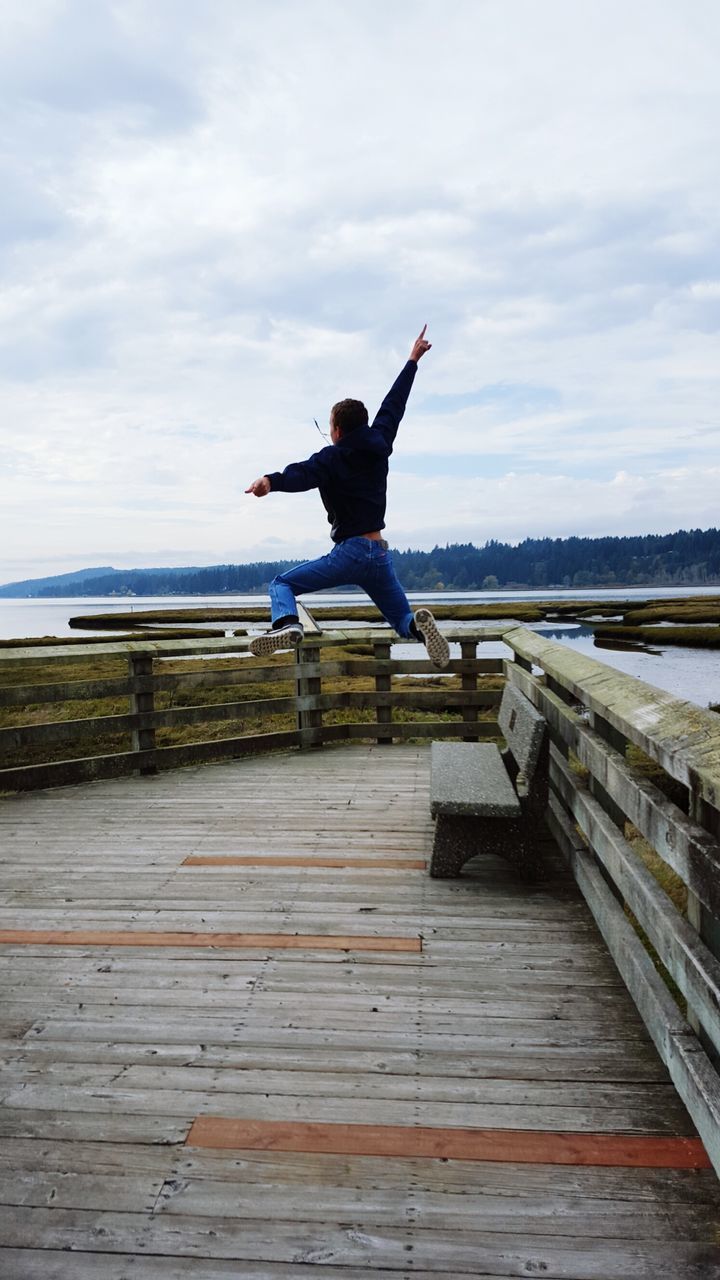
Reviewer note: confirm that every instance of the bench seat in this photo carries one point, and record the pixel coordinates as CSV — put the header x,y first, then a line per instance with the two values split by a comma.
x,y
469,779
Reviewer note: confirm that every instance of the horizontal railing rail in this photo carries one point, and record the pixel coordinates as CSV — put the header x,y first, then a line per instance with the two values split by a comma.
x,y
296,689
668,791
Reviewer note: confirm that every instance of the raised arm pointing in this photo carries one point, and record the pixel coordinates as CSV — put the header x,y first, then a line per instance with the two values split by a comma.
x,y
420,346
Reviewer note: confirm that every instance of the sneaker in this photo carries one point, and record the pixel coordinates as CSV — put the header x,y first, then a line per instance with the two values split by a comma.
x,y
284,638
437,646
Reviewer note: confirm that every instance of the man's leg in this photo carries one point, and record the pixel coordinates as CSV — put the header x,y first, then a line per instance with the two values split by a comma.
x,y
333,570
384,589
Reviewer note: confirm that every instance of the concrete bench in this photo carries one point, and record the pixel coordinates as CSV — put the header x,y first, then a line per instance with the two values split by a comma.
x,y
489,801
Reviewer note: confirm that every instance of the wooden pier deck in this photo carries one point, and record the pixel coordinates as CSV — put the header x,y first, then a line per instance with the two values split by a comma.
x,y
245,1035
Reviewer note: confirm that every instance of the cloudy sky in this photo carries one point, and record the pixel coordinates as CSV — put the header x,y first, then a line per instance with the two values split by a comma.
x,y
220,216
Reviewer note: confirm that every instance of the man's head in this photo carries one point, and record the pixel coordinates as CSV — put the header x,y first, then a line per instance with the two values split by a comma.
x,y
347,416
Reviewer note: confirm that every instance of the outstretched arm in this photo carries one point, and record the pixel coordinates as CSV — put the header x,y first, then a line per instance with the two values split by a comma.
x,y
389,415
296,477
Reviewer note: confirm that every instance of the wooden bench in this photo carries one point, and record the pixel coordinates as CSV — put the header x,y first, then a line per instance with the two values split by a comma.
x,y
489,801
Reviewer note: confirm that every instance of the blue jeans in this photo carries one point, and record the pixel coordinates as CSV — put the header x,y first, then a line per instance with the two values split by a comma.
x,y
359,562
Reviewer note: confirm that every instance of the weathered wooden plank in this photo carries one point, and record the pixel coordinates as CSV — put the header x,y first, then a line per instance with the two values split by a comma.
x,y
207,712
408,666
63,1190
470,1252
54,731
59,773
600,1063
664,1187
278,1007
287,672
124,1159
543,1214
661,1190
297,1110
53,1264
654,1104
63,691
92,1126
224,677
412,700
305,1032
415,729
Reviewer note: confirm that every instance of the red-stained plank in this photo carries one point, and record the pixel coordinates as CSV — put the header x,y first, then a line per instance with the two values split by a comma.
x,y
162,938
504,1145
373,864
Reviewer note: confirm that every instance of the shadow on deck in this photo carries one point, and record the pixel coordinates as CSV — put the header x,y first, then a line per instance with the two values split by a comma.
x,y
369,1072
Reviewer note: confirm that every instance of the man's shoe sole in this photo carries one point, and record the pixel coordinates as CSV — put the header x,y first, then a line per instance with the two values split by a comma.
x,y
272,641
434,641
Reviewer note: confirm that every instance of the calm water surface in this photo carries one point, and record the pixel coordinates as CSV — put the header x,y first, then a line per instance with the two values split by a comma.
x,y
687,673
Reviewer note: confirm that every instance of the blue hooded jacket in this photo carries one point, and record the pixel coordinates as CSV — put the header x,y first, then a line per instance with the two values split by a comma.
x,y
352,474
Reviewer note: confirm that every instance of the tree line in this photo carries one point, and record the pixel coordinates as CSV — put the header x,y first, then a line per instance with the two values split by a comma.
x,y
686,558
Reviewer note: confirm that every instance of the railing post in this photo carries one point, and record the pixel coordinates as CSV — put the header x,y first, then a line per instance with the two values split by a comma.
x,y
468,653
383,684
309,716
142,704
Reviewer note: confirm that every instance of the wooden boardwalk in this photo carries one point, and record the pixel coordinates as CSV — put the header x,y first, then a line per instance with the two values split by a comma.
x,y
369,1074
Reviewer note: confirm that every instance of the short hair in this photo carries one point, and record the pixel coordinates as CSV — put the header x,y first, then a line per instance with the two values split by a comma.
x,y
348,415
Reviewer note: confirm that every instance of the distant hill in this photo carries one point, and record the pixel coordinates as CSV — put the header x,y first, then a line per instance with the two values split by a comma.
x,y
33,586
90,582
686,558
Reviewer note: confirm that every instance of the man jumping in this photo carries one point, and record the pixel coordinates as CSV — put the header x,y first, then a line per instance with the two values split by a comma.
x,y
351,474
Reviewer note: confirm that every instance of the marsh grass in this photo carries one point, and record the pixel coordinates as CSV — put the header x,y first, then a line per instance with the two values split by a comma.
x,y
695,637
706,609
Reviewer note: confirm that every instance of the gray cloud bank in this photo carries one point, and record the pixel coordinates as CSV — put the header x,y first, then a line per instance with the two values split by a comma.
x,y
217,220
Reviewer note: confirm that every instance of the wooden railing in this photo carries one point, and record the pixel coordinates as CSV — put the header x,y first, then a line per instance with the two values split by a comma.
x,y
595,715
65,747
598,786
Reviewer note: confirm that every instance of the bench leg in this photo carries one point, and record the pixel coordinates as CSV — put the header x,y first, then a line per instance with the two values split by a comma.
x,y
459,839
455,843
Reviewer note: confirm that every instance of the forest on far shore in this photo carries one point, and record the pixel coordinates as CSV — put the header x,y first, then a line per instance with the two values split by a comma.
x,y
686,558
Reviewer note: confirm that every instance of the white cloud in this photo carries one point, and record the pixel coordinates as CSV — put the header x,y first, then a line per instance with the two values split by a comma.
x,y
218,221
